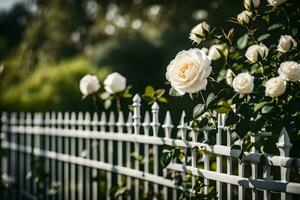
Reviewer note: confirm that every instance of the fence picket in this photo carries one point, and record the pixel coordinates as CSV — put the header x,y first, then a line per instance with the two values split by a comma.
x,y
128,154
66,151
87,150
111,123
73,153
95,145
229,166
155,126
103,123
146,128
167,127
120,125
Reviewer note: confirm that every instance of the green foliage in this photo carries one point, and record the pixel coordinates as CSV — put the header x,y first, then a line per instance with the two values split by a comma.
x,y
51,87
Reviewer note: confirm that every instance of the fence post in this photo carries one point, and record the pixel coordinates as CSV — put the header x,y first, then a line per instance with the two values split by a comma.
x,y
155,126
136,125
111,124
284,146
182,128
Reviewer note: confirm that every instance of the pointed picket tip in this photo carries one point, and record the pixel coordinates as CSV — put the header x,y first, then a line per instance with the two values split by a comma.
x,y
87,116
137,98
95,117
66,116
284,139
181,122
155,106
168,121
103,118
111,120
120,119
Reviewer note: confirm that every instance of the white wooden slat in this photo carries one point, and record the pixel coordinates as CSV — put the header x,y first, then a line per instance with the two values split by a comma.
x,y
146,128
13,154
266,176
66,150
284,146
221,122
111,125
167,127
241,173
4,133
229,166
120,125
128,153
81,152
22,158
206,164
59,141
182,128
95,145
155,126
28,122
136,125
254,169
87,149
103,123
53,168
47,148
73,185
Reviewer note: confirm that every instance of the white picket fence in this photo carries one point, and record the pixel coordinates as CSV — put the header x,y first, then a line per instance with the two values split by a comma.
x,y
85,155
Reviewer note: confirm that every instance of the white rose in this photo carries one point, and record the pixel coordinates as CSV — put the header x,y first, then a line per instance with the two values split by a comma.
x,y
89,84
243,83
255,51
275,87
229,77
250,4
214,51
289,71
114,83
244,17
199,32
188,71
204,49
276,2
286,43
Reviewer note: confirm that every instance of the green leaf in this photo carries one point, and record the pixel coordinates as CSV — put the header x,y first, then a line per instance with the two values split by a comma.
x,y
294,31
165,159
173,92
210,98
147,98
159,93
232,119
127,95
163,100
275,26
243,41
149,90
258,106
263,37
198,110
266,109
266,18
242,128
224,107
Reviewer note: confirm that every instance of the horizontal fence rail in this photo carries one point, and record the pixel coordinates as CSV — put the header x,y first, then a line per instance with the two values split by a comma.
x,y
90,156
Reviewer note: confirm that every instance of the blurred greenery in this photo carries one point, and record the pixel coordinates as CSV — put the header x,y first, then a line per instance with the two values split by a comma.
x,y
46,46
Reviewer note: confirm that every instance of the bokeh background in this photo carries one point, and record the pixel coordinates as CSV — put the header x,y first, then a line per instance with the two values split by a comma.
x,y
47,46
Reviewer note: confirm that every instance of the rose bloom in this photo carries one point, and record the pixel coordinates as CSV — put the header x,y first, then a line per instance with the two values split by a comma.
x,y
243,83
89,84
290,71
214,51
199,32
286,43
244,17
250,4
114,83
276,2
254,51
188,71
275,87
